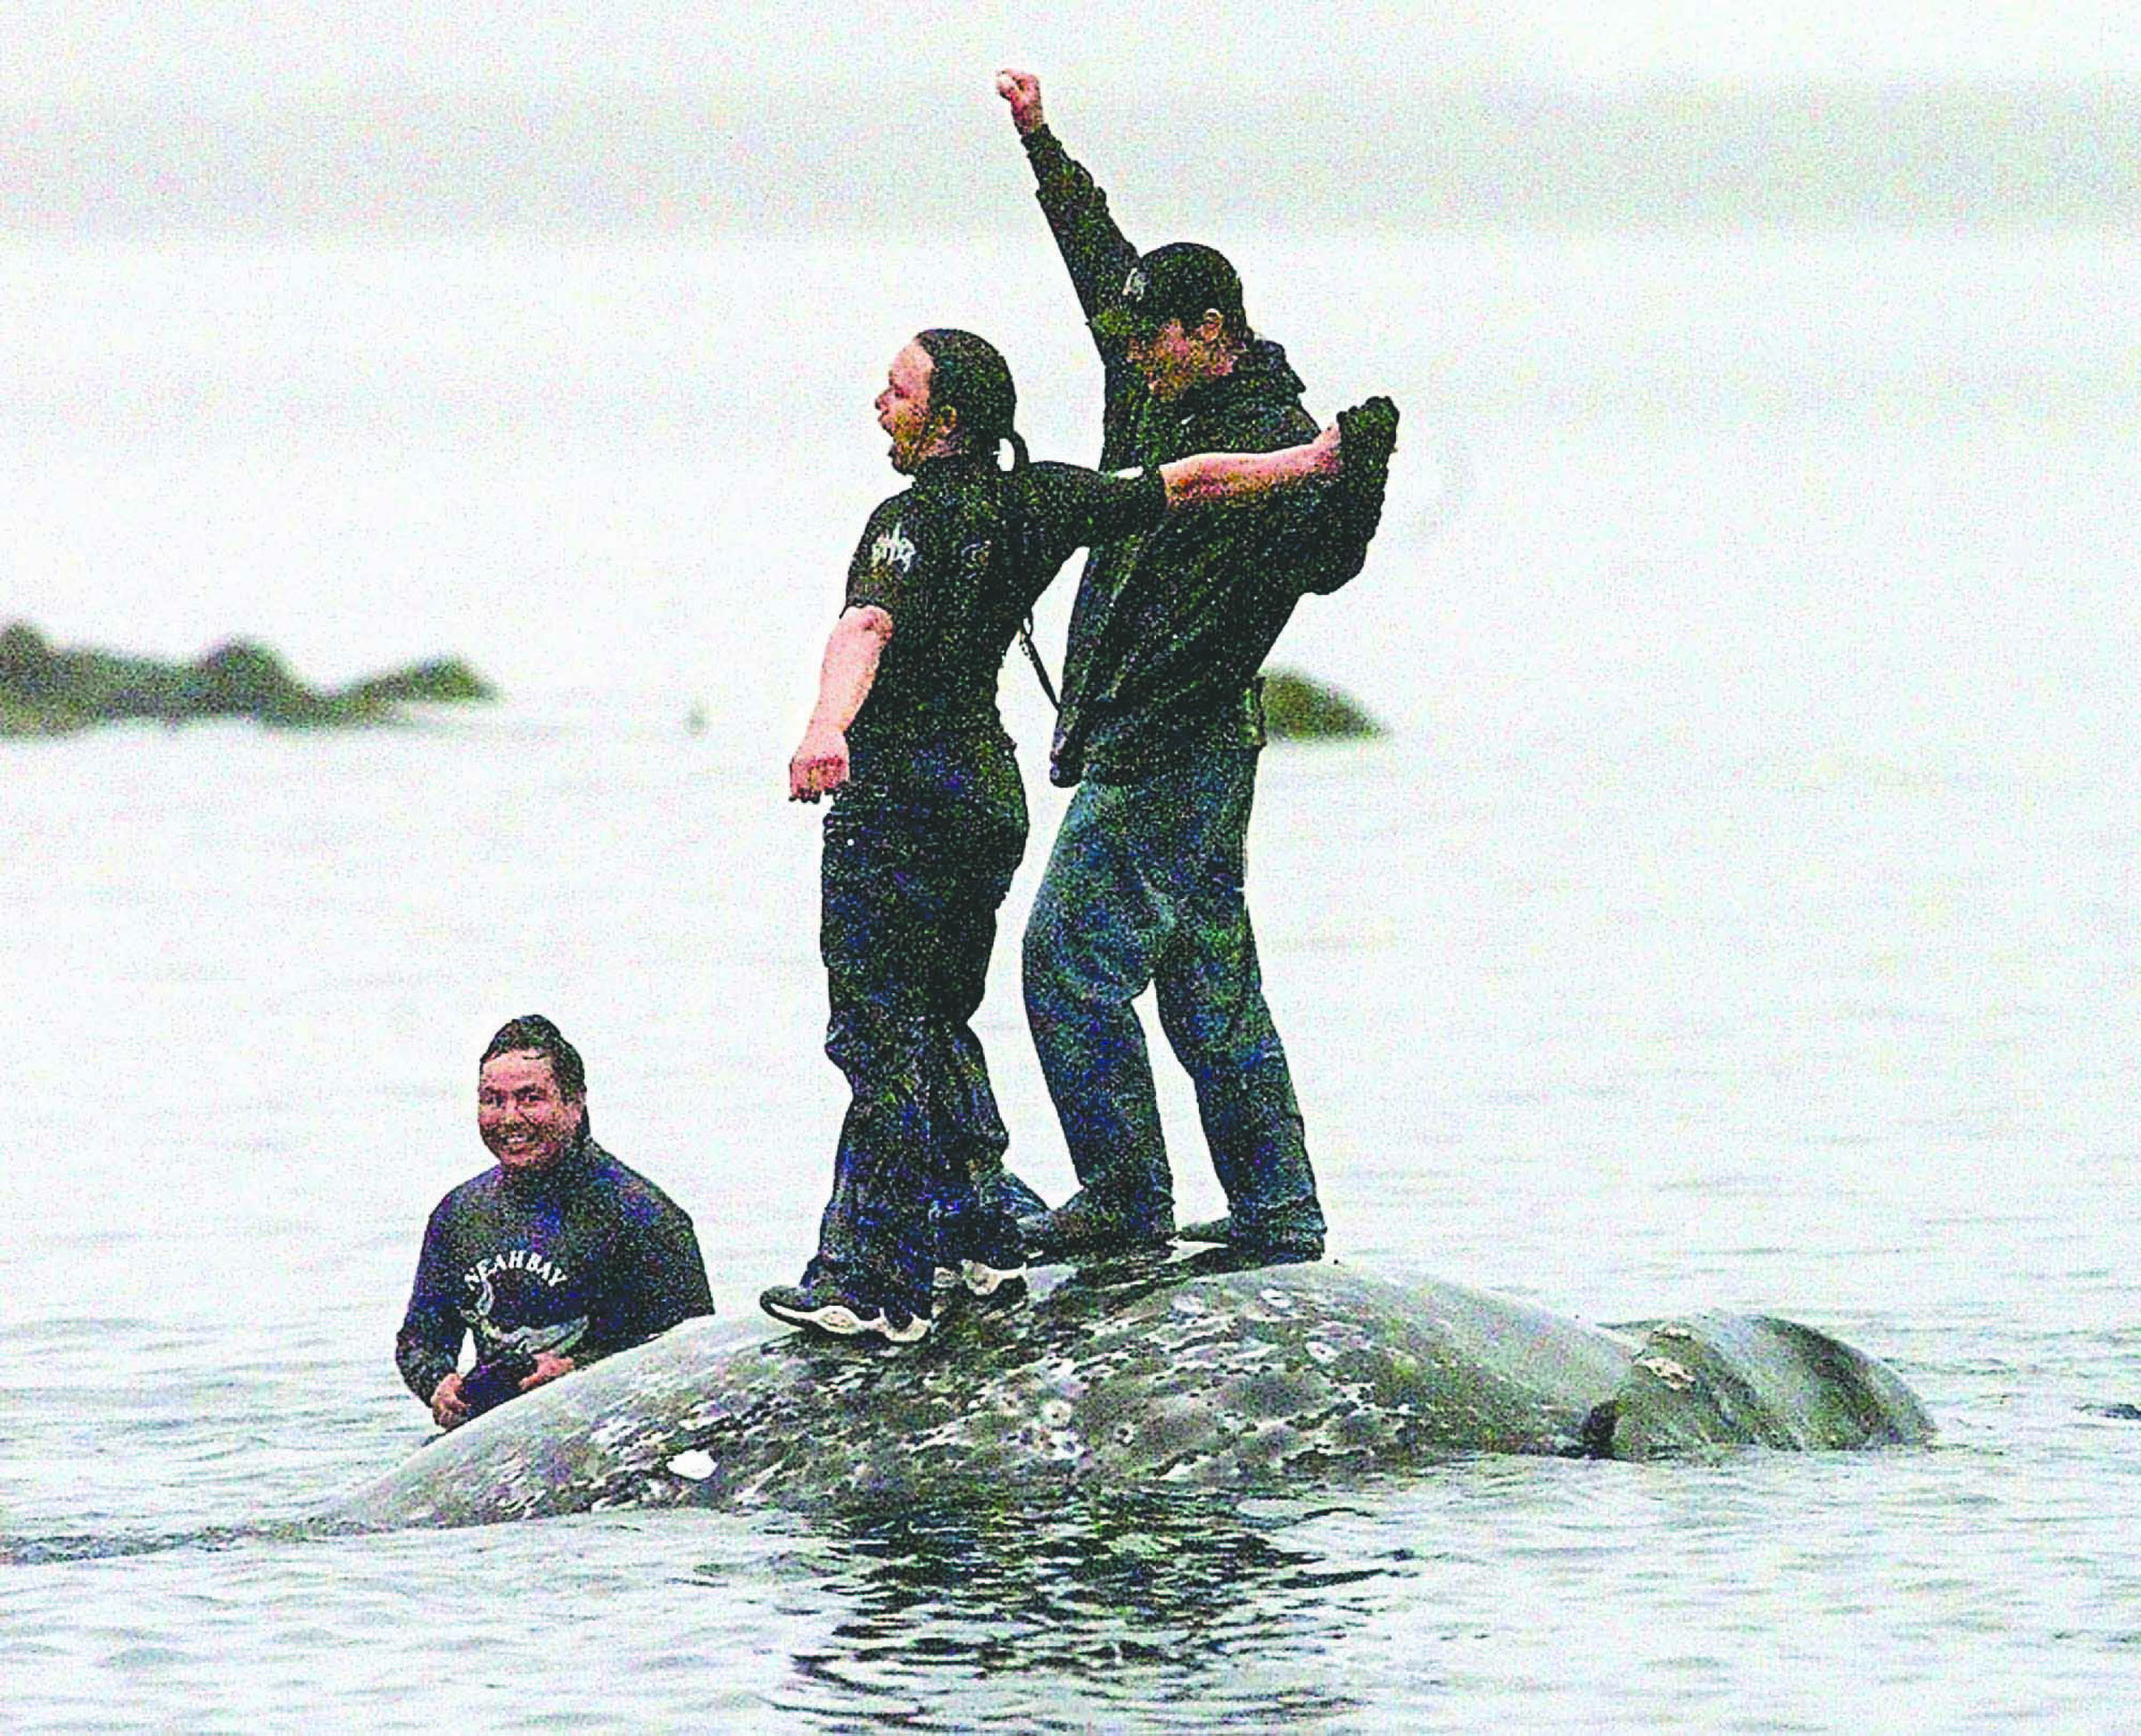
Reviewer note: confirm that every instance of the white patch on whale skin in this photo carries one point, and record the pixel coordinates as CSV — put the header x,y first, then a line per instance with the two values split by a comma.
x,y
1669,1373
953,1433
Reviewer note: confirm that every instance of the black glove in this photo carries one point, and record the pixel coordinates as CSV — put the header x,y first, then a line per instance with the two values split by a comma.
x,y
490,1385
1366,435
1353,500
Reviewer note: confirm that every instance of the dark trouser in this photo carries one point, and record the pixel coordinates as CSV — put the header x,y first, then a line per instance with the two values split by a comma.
x,y
916,862
1145,885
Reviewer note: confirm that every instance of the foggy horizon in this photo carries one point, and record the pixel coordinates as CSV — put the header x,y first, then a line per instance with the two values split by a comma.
x,y
643,157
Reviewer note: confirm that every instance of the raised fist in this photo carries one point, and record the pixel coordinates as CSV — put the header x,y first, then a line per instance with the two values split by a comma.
x,y
1022,91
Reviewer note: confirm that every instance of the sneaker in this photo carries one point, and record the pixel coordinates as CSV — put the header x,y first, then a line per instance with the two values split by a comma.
x,y
1081,1229
998,1276
994,1269
900,1326
1255,1250
982,1252
1247,1256
988,1282
825,1307
1283,1253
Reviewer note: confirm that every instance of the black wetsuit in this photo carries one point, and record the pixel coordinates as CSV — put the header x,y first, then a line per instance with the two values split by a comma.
x,y
582,1259
921,846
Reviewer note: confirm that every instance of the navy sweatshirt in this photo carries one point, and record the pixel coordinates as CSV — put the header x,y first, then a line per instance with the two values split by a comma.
x,y
581,1260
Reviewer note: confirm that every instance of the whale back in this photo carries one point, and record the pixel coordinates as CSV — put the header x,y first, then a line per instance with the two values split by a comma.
x,y
1171,1376
1167,1377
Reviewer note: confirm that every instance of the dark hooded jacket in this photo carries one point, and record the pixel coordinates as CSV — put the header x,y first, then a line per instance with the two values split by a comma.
x,y
1171,627
582,1259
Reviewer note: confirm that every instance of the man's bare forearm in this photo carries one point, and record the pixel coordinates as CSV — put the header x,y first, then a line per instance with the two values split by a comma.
x,y
820,765
1211,477
849,668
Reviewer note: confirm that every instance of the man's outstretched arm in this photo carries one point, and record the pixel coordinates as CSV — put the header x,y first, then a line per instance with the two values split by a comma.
x,y
1095,251
1086,508
1213,478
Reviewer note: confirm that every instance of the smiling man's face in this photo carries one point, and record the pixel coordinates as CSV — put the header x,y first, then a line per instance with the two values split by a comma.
x,y
525,1120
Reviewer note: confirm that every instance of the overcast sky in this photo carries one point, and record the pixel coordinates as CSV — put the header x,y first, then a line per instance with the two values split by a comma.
x,y
140,116
96,51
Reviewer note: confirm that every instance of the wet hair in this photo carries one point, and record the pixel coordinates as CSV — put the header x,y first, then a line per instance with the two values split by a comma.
x,y
969,374
534,1032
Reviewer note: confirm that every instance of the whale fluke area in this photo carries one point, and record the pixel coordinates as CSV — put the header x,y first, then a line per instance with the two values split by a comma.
x,y
1171,1376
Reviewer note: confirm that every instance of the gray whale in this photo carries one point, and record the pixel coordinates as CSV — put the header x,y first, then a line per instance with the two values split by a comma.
x,y
1170,1376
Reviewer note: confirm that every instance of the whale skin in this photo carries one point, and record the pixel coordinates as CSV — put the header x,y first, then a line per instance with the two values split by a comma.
x,y
1169,1377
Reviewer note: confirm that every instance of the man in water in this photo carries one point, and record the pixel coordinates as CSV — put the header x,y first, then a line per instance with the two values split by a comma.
x,y
1162,721
555,1256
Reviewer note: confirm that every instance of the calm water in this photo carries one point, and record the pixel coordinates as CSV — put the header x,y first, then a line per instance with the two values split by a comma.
x,y
1740,915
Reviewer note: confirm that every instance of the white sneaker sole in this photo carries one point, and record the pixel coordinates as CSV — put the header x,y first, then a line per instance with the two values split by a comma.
x,y
835,1318
982,1280
843,1322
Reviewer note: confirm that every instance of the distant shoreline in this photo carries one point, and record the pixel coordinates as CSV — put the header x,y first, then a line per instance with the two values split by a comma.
x,y
47,691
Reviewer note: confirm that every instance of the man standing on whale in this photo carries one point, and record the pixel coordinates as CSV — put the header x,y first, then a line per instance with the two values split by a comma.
x,y
929,817
1160,726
